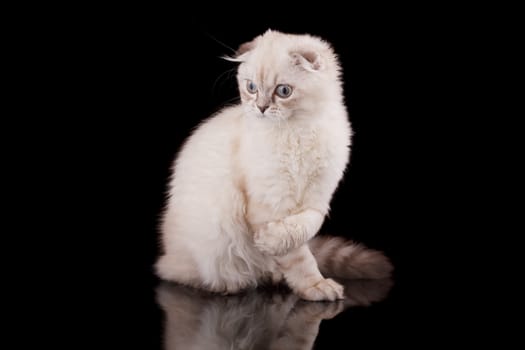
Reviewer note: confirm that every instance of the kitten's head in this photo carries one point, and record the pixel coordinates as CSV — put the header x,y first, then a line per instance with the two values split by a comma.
x,y
283,75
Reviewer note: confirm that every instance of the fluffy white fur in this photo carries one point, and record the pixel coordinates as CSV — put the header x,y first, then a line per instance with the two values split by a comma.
x,y
251,188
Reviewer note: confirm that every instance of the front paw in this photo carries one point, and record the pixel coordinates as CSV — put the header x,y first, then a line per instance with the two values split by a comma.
x,y
272,239
324,290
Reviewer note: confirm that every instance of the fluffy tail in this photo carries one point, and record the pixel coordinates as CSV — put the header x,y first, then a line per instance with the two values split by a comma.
x,y
337,257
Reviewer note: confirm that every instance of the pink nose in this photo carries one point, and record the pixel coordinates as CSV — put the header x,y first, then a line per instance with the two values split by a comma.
x,y
262,108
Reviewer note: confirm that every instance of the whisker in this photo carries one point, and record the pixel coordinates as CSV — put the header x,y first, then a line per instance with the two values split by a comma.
x,y
232,102
219,42
220,76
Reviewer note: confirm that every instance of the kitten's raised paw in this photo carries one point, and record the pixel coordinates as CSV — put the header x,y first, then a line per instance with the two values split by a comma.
x,y
272,239
326,289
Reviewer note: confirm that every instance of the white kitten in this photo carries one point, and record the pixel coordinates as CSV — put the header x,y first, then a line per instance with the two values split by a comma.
x,y
252,185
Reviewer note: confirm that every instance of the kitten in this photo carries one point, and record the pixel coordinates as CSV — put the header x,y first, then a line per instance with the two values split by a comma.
x,y
252,185
206,321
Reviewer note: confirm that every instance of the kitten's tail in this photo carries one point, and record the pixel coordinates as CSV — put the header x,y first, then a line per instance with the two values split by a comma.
x,y
338,257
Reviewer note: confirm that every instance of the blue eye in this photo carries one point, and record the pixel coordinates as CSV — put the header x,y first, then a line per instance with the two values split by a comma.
x,y
283,90
251,87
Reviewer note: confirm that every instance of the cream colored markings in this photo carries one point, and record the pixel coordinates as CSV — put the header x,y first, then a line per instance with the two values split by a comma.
x,y
261,74
302,274
294,261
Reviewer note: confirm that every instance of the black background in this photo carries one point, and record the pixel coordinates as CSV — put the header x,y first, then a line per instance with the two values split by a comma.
x,y
133,83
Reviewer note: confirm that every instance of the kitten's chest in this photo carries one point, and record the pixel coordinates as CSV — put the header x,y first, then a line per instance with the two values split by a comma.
x,y
286,164
299,157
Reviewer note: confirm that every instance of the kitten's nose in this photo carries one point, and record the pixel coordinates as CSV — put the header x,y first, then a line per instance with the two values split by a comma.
x,y
263,108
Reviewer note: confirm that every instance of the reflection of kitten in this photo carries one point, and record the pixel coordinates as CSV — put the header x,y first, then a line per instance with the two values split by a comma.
x,y
252,185
252,320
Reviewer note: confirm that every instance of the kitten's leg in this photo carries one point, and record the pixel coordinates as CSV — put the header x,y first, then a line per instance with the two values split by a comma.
x,y
279,237
302,275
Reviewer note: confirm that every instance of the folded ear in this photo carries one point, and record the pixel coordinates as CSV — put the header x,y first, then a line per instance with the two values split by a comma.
x,y
244,48
242,51
309,60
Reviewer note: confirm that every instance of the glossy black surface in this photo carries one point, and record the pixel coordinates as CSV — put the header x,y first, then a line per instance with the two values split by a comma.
x,y
259,319
169,316
135,82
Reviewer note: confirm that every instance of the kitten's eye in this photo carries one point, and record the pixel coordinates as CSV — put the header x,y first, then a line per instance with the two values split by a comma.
x,y
283,90
251,87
